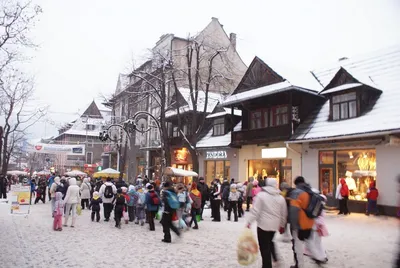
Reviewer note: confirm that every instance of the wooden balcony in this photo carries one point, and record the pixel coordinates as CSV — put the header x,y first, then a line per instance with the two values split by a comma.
x,y
261,136
178,141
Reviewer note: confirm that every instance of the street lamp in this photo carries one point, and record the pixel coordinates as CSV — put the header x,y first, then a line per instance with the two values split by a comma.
x,y
133,124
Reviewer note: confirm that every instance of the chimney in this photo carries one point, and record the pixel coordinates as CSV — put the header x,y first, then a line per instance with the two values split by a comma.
x,y
232,38
343,59
214,18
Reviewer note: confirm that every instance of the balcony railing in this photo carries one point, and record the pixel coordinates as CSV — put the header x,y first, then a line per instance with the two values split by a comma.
x,y
262,135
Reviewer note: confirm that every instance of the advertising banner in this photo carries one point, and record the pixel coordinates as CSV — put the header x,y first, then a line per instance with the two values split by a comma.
x,y
44,148
20,199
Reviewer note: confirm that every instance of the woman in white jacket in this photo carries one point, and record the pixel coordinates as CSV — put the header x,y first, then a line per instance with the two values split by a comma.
x,y
270,213
71,200
85,193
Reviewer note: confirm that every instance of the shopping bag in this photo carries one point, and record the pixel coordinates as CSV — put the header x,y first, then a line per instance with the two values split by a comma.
x,y
198,218
247,248
78,209
125,215
159,213
175,220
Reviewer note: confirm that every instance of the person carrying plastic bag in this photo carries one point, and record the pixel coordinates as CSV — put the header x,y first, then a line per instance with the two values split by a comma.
x,y
270,212
247,248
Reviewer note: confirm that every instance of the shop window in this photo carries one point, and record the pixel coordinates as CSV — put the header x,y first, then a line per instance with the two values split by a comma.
x,y
255,119
358,168
279,169
175,132
217,170
219,127
344,106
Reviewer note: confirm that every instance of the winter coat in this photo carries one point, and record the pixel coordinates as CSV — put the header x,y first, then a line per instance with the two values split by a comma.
x,y
119,202
95,203
217,192
72,196
51,181
149,204
53,187
225,189
372,193
234,195
299,201
98,186
249,190
85,189
270,210
256,189
59,204
102,190
203,188
132,197
141,199
195,195
339,189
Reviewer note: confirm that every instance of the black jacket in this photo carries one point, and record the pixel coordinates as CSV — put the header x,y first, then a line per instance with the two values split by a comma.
x,y
98,185
120,183
95,204
119,202
203,188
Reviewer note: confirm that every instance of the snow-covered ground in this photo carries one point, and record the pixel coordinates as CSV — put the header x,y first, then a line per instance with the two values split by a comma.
x,y
355,241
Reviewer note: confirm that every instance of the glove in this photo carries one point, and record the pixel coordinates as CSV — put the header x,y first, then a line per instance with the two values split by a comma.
x,y
281,230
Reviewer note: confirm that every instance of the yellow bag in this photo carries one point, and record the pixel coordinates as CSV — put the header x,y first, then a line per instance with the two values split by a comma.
x,y
247,248
78,210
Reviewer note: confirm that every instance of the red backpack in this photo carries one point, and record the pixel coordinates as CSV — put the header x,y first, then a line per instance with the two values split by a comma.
x,y
155,200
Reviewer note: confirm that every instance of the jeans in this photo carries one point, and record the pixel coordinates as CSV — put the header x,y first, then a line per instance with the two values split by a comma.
x,y
267,247
140,214
249,199
97,213
151,215
131,213
83,202
372,207
108,207
233,206
166,222
194,212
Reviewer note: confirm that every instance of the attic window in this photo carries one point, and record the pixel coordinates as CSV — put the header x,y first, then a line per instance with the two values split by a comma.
x,y
90,127
344,106
219,127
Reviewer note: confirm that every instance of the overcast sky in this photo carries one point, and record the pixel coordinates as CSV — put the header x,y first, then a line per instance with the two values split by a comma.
x,y
84,44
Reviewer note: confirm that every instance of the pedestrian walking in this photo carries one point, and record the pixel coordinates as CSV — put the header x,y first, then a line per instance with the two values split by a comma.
x,y
85,190
217,201
53,188
41,191
195,196
131,204
171,203
71,201
58,211
153,203
119,202
107,192
249,195
270,213
342,193
140,205
203,188
3,187
233,199
95,206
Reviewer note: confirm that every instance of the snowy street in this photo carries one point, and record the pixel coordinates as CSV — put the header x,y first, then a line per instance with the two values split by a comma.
x,y
355,241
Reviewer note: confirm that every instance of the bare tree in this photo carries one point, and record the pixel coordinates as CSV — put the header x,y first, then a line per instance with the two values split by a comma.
x,y
201,66
16,93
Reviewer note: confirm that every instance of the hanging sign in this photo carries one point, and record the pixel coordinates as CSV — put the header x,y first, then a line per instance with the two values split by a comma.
x,y
216,155
44,148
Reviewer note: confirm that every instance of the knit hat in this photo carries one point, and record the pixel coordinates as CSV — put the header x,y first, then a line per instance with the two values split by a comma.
x,y
131,187
96,194
124,189
233,186
149,186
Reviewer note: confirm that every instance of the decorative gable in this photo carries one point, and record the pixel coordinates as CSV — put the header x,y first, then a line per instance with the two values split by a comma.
x,y
258,74
92,111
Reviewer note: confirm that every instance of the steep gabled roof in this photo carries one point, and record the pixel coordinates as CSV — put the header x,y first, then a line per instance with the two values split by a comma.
x,y
383,68
93,111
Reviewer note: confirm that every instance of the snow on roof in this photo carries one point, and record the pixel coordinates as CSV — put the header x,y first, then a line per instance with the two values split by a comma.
x,y
341,88
213,100
214,141
264,91
123,82
226,111
238,127
383,68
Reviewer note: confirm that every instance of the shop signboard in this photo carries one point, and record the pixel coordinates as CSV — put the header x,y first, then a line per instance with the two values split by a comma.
x,y
274,153
44,148
20,199
216,155
394,141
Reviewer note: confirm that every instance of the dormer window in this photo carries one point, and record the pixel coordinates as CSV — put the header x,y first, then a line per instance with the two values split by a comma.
x,y
219,127
344,106
269,117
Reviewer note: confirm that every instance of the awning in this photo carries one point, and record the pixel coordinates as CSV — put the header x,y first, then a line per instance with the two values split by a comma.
x,y
177,172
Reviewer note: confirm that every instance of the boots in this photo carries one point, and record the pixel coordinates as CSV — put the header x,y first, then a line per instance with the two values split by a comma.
x,y
66,221
73,222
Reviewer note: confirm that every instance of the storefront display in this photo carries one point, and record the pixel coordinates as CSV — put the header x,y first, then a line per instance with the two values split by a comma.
x,y
357,167
281,169
219,169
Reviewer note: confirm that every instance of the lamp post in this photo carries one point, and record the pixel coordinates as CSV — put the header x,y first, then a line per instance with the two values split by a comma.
x,y
134,124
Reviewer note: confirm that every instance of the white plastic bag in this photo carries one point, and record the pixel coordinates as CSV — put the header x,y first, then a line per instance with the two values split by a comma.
x,y
247,248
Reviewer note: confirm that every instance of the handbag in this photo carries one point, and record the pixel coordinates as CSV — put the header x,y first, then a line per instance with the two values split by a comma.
x,y
79,210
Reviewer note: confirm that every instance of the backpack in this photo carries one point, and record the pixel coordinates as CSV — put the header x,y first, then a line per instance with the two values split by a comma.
x,y
315,205
172,200
108,192
196,201
132,200
59,188
155,200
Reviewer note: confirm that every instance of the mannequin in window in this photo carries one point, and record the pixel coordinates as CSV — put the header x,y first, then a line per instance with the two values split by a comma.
x,y
351,184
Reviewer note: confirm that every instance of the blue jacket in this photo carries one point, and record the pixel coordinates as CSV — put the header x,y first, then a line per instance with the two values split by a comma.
x,y
148,202
51,180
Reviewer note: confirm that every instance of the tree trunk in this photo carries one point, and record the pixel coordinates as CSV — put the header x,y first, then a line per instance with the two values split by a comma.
x,y
4,166
122,168
1,142
195,159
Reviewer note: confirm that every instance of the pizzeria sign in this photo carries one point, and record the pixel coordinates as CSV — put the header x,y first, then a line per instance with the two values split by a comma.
x,y
216,155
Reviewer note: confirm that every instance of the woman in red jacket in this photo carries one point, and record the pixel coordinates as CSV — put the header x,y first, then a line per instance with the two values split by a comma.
x,y
372,196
